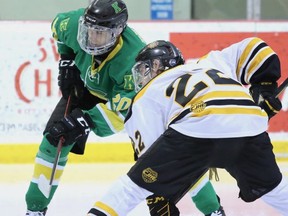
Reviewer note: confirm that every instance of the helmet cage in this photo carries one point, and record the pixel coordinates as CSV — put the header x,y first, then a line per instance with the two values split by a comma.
x,y
153,59
144,71
95,39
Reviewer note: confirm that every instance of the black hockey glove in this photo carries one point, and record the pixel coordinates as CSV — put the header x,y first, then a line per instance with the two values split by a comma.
x,y
72,128
69,79
262,94
158,206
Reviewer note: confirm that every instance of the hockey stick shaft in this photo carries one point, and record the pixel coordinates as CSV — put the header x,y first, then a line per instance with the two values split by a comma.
x,y
59,148
281,88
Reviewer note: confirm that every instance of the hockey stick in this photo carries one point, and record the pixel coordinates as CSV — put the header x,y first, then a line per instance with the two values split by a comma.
x,y
281,88
44,185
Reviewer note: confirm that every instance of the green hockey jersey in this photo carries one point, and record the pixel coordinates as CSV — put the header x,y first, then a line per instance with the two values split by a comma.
x,y
110,80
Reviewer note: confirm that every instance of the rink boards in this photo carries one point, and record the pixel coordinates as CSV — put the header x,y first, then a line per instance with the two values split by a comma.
x,y
97,153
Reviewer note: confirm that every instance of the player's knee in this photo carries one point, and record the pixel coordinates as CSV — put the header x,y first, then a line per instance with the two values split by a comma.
x,y
250,195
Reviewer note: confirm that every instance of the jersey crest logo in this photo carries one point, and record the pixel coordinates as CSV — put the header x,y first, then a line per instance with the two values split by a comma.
x,y
149,175
198,107
93,76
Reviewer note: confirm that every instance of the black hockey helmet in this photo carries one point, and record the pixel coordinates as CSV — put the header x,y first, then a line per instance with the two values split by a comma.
x,y
169,55
153,59
103,21
106,13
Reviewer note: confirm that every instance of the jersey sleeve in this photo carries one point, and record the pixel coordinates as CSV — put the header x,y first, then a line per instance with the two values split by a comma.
x,y
250,61
64,30
109,118
257,62
107,122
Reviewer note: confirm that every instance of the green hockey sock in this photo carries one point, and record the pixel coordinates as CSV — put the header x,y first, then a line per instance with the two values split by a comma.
x,y
35,200
206,199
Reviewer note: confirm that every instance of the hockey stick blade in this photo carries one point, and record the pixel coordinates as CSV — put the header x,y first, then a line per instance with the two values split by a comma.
x,y
281,88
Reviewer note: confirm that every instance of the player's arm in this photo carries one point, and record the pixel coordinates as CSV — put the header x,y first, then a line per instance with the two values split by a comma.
x,y
109,117
60,32
253,62
256,62
261,69
69,80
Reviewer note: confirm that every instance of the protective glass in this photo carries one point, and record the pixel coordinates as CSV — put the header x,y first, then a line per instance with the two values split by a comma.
x,y
144,71
96,40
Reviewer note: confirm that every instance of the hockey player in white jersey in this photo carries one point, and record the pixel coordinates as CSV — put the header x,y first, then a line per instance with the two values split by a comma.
x,y
200,192
209,119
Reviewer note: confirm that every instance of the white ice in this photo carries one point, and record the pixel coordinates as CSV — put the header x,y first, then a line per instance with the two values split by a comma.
x,y
82,184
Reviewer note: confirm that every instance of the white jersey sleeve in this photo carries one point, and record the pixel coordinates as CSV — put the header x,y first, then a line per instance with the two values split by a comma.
x,y
248,61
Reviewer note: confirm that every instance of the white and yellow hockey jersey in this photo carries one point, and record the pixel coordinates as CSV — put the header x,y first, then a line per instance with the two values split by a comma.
x,y
206,99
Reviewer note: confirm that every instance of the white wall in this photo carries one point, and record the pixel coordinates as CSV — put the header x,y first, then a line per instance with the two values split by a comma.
x,y
47,9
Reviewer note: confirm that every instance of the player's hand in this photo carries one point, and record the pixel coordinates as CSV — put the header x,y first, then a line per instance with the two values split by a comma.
x,y
262,94
158,205
69,79
71,128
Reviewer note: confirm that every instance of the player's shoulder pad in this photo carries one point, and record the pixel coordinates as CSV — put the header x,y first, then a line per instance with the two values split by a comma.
x,y
63,22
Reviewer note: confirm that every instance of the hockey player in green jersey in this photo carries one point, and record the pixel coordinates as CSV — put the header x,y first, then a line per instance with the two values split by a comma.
x,y
97,51
187,118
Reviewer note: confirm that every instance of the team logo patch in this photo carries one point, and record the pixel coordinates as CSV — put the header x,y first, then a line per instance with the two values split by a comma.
x,y
198,107
93,75
128,82
116,8
149,175
63,24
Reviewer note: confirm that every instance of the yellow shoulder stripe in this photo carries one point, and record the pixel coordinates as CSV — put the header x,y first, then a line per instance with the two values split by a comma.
x,y
246,53
54,29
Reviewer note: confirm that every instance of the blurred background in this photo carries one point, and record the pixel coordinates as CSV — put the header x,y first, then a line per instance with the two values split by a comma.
x,y
145,9
29,58
29,91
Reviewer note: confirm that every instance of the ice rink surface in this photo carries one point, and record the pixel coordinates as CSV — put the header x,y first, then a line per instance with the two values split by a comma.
x,y
82,184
